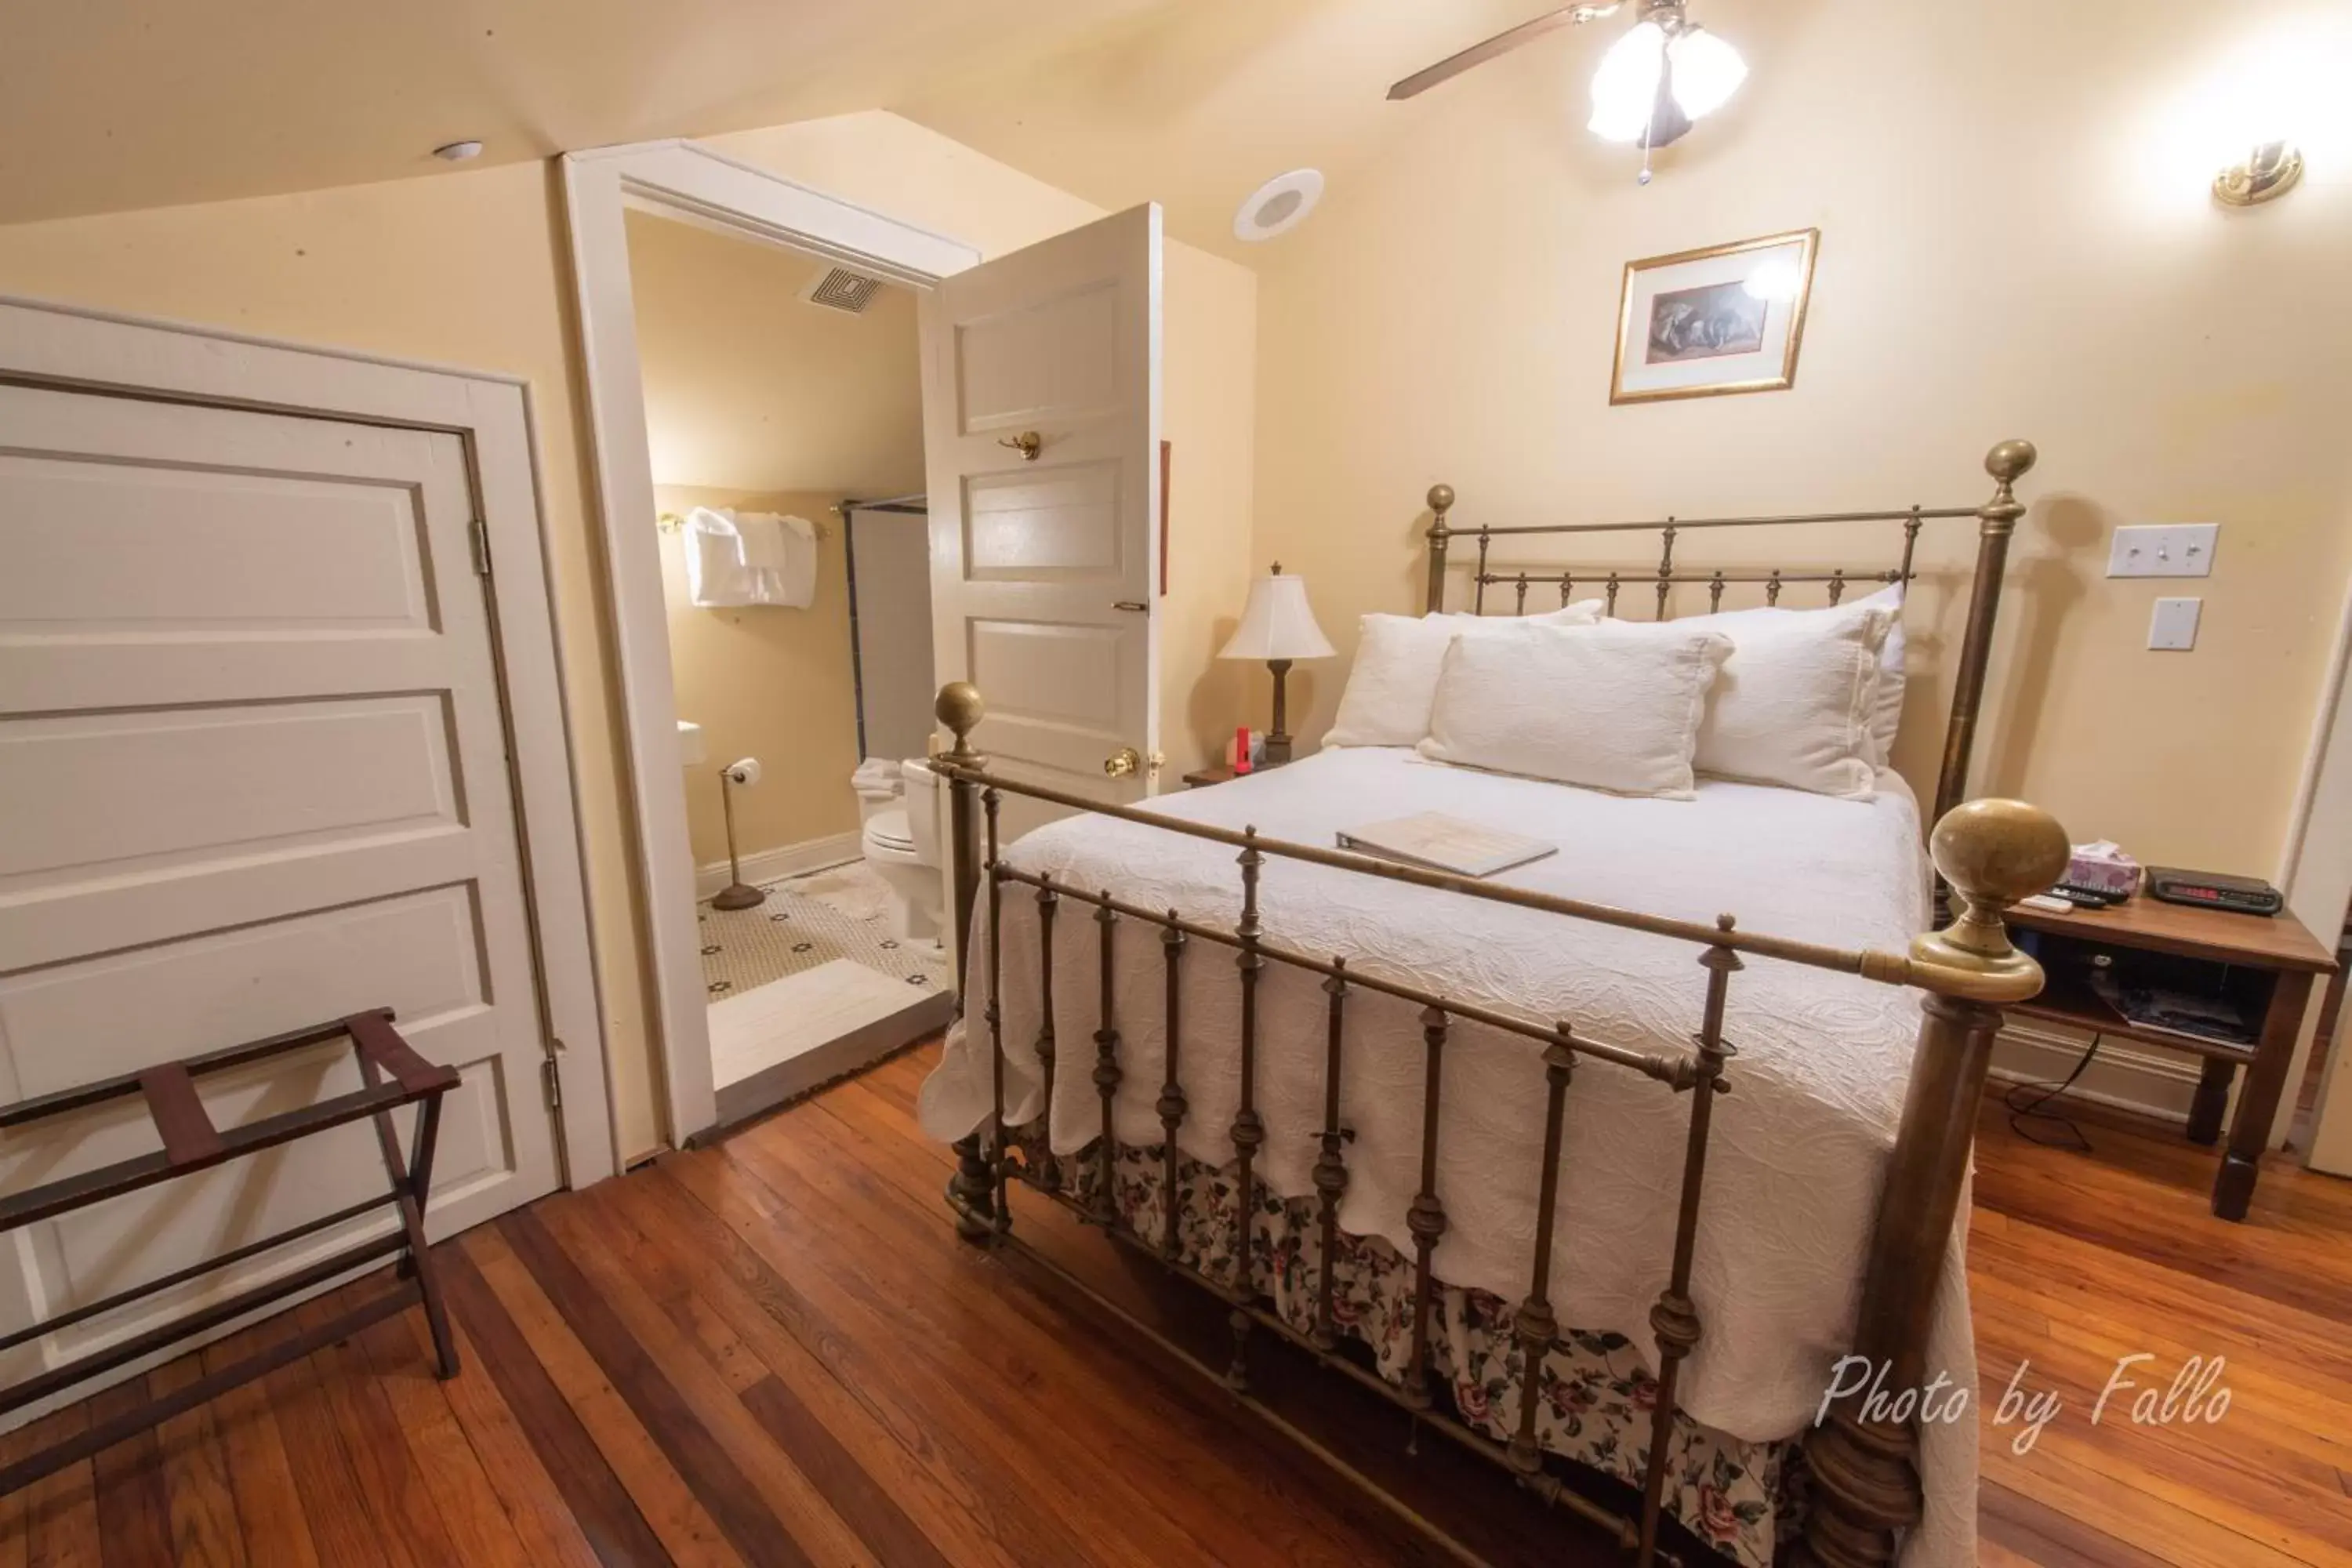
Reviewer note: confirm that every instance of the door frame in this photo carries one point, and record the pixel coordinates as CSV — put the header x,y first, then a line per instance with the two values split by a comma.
x,y
69,347
681,180
2315,875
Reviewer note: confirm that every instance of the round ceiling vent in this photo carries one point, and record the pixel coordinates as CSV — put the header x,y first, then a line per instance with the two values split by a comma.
x,y
1279,204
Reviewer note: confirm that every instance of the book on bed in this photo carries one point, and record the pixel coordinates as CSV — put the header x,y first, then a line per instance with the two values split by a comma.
x,y
1443,843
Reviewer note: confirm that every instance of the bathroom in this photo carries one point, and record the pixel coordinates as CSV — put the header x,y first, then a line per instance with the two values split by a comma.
x,y
783,417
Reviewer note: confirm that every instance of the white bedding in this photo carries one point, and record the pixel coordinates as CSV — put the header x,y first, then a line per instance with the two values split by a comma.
x,y
1797,1157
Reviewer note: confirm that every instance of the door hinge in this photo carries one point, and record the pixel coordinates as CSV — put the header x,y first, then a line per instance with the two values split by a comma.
x,y
478,533
551,1075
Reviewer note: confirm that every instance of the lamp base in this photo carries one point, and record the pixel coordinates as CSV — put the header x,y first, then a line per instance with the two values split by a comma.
x,y
1278,739
736,896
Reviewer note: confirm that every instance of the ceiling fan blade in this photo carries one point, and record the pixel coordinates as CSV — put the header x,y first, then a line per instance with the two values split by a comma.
x,y
1500,44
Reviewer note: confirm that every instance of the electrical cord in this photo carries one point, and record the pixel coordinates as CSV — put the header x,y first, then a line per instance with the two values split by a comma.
x,y
2027,1103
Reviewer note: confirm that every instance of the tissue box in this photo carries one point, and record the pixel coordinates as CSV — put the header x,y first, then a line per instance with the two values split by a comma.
x,y
2102,867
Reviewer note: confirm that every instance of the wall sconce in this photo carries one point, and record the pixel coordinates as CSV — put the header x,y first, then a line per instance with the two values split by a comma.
x,y
2269,171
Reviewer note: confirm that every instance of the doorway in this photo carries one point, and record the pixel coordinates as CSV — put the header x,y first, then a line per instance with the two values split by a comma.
x,y
682,182
1041,397
781,386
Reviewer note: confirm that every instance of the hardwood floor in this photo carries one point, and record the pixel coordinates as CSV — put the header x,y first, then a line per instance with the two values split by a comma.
x,y
774,1352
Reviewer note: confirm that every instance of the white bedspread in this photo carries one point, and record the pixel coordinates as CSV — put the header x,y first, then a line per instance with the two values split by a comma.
x,y
1797,1157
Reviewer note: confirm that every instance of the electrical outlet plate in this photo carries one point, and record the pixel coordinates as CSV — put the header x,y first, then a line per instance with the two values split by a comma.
x,y
2173,625
2164,550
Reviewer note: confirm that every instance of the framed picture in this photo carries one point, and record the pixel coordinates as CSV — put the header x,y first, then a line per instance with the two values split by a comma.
x,y
1703,322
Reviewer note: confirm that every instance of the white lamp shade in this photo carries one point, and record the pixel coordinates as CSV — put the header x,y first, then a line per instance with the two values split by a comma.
x,y
1277,623
1707,72
1625,87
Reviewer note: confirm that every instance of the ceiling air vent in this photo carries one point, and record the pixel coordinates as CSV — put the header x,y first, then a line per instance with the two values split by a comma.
x,y
842,289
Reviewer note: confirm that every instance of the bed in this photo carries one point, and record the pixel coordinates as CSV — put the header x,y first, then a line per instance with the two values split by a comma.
x,y
1576,1116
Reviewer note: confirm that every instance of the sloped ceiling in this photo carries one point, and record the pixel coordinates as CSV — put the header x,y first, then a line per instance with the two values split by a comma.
x,y
111,104
1195,106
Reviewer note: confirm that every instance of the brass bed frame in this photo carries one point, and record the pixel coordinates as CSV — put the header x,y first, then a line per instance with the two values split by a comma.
x,y
1989,852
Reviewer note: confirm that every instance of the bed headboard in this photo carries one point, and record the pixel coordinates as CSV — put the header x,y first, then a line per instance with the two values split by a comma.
x,y
1996,521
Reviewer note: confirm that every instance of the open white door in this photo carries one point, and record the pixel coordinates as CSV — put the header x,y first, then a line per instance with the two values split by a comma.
x,y
1045,566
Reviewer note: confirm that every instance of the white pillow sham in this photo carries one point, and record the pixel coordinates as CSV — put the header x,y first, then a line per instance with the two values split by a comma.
x,y
1886,701
1394,680
1887,695
1795,700
1615,706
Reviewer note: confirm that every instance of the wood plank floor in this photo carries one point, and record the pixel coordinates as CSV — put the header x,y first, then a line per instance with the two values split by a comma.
x,y
774,1351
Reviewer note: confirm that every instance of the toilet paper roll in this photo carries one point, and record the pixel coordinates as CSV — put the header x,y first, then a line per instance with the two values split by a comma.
x,y
744,771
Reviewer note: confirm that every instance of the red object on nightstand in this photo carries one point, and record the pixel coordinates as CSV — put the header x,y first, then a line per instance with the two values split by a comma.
x,y
1241,749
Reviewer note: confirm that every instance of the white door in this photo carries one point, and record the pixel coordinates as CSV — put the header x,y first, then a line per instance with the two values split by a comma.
x,y
1044,569
254,776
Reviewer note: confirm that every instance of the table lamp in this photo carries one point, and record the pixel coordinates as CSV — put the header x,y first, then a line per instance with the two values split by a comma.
x,y
1278,626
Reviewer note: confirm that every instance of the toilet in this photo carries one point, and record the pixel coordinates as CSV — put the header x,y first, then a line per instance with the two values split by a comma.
x,y
900,803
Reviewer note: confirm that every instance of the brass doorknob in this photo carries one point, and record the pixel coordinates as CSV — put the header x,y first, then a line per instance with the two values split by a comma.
x,y
1124,763
1028,444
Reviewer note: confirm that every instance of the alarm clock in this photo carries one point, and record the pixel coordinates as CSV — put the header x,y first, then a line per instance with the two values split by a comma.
x,y
2213,890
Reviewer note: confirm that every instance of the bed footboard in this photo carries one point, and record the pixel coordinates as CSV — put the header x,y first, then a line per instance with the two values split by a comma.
x,y
1990,852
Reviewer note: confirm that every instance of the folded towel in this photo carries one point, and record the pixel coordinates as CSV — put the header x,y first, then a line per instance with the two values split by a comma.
x,y
780,554
716,577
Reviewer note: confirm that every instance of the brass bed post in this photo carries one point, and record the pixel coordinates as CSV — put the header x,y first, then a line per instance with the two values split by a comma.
x,y
972,1187
1996,522
1864,1460
1441,501
1248,1130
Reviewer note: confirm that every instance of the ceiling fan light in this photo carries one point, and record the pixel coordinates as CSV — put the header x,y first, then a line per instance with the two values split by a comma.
x,y
1707,71
1625,87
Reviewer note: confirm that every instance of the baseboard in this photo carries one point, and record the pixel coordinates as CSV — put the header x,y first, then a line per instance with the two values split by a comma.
x,y
790,860
2124,1076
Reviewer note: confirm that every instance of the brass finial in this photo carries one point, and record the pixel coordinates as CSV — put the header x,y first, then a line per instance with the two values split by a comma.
x,y
961,710
1993,853
1441,499
2009,462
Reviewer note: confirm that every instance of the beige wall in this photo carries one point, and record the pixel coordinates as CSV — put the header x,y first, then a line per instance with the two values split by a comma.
x,y
769,683
2014,242
468,268
749,386
1208,415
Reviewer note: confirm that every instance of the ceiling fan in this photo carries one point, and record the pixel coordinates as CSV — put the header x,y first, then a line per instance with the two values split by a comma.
x,y
1664,74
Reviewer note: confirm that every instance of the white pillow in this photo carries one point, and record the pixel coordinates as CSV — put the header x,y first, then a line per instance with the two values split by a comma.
x,y
1394,677
1886,702
1615,706
1794,703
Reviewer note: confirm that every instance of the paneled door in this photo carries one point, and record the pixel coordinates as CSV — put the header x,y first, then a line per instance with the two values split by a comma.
x,y
253,774
1041,428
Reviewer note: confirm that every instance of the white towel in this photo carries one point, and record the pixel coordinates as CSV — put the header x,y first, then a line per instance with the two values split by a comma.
x,y
755,558
715,574
780,554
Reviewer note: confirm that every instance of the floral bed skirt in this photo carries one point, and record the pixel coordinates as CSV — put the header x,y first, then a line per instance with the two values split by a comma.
x,y
1743,1499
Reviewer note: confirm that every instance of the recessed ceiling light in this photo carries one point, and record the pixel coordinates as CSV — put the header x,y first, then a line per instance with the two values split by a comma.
x,y
1278,205
457,152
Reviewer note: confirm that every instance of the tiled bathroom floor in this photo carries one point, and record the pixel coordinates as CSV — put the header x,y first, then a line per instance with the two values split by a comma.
x,y
841,912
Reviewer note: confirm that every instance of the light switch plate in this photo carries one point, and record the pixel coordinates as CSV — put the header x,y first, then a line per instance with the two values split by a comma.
x,y
2164,550
2173,625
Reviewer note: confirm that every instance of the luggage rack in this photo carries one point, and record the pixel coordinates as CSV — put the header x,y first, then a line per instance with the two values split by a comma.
x,y
393,1076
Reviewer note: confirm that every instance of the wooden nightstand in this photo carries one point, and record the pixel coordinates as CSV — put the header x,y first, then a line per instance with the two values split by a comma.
x,y
2271,962
1216,774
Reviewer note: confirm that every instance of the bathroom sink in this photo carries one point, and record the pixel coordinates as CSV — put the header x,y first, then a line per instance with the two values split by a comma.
x,y
689,744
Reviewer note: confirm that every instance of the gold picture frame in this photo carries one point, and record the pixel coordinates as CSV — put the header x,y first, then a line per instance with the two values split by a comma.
x,y
1709,322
